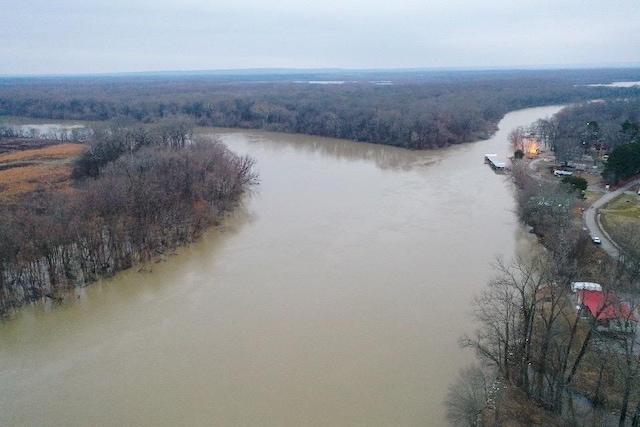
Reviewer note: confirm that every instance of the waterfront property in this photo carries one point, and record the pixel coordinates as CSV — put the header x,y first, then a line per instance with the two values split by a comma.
x,y
608,311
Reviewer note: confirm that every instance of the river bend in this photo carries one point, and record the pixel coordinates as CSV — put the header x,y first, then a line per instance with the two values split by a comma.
x,y
334,296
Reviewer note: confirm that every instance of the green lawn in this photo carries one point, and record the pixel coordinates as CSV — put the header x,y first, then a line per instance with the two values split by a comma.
x,y
627,205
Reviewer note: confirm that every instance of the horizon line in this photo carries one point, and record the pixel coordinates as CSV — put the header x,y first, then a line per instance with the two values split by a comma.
x,y
326,70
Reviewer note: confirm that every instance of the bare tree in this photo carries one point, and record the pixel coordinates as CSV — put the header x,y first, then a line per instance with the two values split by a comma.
x,y
628,363
468,396
627,236
516,138
176,131
547,131
506,311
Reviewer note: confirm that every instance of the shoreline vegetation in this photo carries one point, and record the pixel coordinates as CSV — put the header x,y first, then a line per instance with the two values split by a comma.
x,y
543,358
413,109
71,214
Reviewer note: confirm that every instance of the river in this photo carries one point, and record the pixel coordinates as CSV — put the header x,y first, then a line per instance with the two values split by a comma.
x,y
334,296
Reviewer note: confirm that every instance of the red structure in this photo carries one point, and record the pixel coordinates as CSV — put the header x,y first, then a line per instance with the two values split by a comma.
x,y
608,311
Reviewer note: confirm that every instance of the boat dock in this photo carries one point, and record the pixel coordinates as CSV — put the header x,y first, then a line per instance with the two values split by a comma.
x,y
496,163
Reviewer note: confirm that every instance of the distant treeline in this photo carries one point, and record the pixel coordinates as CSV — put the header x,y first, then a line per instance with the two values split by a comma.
x,y
611,122
414,110
138,197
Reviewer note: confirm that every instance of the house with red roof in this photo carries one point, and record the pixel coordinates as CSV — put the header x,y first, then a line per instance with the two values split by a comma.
x,y
608,311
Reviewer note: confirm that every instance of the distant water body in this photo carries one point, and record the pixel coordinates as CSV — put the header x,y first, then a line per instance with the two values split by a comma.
x,y
618,84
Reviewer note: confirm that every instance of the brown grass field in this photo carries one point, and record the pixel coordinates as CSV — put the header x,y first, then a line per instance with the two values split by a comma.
x,y
24,170
53,152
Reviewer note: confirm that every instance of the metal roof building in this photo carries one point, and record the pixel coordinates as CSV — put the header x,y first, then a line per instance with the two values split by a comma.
x,y
496,163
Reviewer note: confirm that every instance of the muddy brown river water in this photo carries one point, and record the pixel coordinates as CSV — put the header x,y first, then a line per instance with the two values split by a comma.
x,y
334,296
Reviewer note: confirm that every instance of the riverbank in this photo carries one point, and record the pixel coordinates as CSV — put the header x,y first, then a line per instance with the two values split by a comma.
x,y
596,352
59,233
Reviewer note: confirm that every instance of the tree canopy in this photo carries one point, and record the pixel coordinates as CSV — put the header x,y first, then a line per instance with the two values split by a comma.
x,y
412,109
623,162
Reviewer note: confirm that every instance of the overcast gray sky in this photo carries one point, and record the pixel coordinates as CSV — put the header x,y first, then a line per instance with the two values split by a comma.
x,y
99,36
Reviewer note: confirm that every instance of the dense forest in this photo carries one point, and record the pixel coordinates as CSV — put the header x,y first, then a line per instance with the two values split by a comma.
x,y
411,109
138,193
612,126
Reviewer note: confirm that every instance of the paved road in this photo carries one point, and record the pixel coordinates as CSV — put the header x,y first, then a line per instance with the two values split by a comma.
x,y
591,216
591,219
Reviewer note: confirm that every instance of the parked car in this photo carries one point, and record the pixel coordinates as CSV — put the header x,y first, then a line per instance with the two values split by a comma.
x,y
596,240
